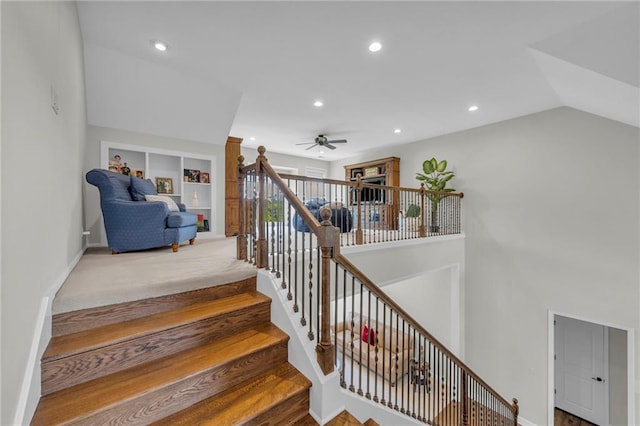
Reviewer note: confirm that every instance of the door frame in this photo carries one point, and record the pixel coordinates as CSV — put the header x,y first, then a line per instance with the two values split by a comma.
x,y
551,364
605,363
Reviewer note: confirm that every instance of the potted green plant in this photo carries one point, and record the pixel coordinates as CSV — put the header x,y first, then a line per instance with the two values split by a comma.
x,y
435,179
274,210
409,217
413,211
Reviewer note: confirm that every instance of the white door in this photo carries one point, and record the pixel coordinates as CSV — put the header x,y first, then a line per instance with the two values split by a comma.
x,y
580,367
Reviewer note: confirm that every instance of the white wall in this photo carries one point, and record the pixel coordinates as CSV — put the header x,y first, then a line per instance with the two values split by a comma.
x,y
284,160
41,173
551,220
95,134
428,299
0,223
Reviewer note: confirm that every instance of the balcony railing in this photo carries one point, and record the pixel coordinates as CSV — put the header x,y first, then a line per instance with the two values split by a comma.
x,y
295,226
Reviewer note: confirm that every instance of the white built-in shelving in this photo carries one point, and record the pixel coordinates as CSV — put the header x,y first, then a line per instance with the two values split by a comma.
x,y
153,163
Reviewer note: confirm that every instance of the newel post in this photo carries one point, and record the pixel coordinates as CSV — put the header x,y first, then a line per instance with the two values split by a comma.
x,y
241,240
328,238
421,228
464,401
516,411
359,235
262,258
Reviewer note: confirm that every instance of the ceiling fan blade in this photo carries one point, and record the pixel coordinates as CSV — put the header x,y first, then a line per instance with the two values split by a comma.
x,y
306,143
337,141
329,146
314,144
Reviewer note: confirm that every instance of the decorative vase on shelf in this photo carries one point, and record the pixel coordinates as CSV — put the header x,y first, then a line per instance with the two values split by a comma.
x,y
194,200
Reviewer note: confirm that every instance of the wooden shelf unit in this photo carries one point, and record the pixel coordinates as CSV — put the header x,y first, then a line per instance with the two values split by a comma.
x,y
151,162
383,212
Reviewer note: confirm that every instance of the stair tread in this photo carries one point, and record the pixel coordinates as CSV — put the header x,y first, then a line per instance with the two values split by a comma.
x,y
245,401
84,319
94,395
72,344
306,421
344,419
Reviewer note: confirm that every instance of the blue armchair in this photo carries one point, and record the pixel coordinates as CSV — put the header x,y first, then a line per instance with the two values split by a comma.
x,y
131,222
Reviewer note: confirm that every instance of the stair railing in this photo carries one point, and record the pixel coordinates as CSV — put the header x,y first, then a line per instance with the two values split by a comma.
x,y
381,352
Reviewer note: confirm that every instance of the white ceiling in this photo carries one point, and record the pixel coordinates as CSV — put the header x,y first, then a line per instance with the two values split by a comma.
x,y
255,68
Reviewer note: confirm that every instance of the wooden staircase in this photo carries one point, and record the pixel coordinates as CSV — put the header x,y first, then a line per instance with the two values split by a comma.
x,y
205,357
346,419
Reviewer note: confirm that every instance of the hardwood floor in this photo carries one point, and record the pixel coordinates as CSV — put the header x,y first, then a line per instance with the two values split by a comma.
x,y
562,418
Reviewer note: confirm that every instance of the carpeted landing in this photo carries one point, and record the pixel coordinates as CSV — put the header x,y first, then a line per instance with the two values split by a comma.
x,y
101,279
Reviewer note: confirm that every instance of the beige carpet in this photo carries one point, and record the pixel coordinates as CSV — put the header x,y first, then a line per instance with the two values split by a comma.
x,y
101,279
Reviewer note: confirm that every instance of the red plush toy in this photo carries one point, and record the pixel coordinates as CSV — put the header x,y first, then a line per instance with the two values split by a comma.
x,y
369,335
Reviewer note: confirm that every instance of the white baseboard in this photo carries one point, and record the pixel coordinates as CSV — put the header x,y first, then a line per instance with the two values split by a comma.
x,y
30,389
524,422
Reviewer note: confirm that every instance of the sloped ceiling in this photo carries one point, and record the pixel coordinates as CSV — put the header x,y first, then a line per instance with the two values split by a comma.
x,y
253,69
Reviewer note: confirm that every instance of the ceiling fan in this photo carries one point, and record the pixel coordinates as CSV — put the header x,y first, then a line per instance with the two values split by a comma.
x,y
321,140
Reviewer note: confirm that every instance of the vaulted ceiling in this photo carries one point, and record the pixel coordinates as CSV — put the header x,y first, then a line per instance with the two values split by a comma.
x,y
254,69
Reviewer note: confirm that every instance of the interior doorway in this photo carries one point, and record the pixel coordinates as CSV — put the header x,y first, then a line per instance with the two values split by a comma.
x,y
589,371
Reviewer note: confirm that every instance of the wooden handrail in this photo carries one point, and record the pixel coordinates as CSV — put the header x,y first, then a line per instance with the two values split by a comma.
x,y
373,288
246,169
292,198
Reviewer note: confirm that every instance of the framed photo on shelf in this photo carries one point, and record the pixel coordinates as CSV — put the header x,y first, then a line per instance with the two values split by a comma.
x,y
137,173
204,177
164,185
115,164
191,175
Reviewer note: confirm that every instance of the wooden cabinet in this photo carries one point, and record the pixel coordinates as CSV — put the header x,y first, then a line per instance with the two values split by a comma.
x,y
379,207
231,195
385,171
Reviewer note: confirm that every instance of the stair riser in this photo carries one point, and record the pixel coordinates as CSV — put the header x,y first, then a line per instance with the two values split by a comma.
x,y
73,322
69,371
158,403
285,413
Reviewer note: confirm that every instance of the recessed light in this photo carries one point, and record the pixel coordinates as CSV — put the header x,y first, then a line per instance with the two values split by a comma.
x,y
252,138
375,47
397,131
318,104
473,108
160,45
